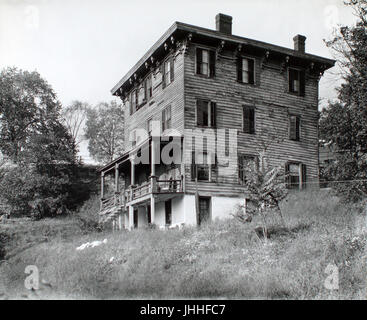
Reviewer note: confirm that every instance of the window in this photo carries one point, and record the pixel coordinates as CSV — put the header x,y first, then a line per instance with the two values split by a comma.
x,y
140,98
206,113
205,62
133,142
203,171
248,119
168,212
167,72
134,101
296,81
246,163
246,70
150,126
148,87
295,174
166,118
294,128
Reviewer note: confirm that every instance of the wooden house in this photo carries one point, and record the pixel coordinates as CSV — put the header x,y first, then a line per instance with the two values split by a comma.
x,y
221,98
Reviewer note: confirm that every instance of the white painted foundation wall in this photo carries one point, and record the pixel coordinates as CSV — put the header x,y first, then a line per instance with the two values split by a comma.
x,y
184,211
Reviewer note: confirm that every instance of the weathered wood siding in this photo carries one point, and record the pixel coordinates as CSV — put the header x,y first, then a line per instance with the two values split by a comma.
x,y
273,104
162,97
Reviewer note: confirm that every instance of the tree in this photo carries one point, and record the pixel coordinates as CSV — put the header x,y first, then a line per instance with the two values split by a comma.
x,y
27,105
105,131
43,179
266,187
74,117
343,124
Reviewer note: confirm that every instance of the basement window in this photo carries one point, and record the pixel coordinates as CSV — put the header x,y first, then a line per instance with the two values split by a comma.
x,y
295,175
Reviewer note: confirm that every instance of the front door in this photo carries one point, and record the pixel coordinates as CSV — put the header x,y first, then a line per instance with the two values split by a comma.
x,y
204,209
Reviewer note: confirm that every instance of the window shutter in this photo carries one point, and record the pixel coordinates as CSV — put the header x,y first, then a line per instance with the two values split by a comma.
x,y
286,174
212,63
251,120
146,89
293,128
290,80
302,79
239,69
297,128
131,102
199,60
199,113
246,120
304,176
163,75
213,113
251,71
172,71
240,168
193,166
163,120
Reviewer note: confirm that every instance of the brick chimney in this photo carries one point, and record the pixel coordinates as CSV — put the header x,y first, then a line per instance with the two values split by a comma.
x,y
299,43
223,23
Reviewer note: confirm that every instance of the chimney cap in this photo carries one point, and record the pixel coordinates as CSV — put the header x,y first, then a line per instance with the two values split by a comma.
x,y
299,37
223,17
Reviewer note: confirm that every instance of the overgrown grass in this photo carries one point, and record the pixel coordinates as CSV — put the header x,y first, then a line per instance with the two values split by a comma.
x,y
223,259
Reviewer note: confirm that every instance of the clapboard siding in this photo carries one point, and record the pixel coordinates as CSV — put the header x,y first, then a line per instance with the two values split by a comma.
x,y
171,95
273,105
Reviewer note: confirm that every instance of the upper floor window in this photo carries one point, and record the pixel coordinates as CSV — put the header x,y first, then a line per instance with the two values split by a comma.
x,y
295,175
167,72
205,62
133,141
150,126
296,81
166,118
134,101
246,70
148,88
294,127
206,113
248,119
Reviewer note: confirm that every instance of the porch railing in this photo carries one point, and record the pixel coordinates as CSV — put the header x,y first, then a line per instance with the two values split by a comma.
x,y
159,186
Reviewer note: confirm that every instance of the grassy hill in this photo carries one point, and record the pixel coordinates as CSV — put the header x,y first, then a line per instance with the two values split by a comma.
x,y
223,259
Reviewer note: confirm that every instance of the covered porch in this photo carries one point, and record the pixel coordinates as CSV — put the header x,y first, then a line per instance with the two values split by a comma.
x,y
141,180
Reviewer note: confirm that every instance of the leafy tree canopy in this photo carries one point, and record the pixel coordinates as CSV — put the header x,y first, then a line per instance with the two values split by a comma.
x,y
105,131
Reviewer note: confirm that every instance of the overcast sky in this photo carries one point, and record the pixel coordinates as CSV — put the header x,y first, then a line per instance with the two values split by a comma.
x,y
83,47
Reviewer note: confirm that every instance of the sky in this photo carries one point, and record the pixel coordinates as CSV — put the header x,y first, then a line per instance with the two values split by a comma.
x,y
84,47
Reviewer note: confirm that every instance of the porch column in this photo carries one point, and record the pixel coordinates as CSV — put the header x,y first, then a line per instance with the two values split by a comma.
x,y
131,217
132,159
116,182
152,209
153,182
152,173
102,187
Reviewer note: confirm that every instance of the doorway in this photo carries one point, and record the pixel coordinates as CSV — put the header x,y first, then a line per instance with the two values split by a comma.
x,y
204,210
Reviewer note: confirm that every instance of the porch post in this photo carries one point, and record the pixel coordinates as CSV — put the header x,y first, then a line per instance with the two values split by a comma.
x,y
116,182
131,217
152,209
102,187
132,159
